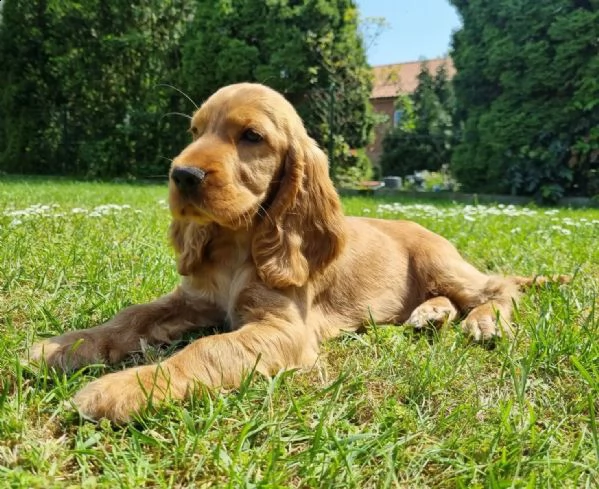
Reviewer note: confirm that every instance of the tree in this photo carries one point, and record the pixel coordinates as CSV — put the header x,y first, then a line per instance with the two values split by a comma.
x,y
527,86
424,137
309,50
79,86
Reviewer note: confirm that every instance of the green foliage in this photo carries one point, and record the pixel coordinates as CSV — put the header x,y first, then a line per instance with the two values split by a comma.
x,y
528,89
79,86
309,50
424,137
357,169
81,90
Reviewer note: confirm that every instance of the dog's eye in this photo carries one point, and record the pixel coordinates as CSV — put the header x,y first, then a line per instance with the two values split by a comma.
x,y
251,136
194,131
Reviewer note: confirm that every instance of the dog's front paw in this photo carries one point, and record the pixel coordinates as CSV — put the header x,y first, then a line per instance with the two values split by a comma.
x,y
65,352
120,396
76,349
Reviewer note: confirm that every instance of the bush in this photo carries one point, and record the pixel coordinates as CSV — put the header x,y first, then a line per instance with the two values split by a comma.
x,y
356,168
527,84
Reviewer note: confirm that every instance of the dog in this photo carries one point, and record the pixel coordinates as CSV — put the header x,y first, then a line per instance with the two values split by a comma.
x,y
264,249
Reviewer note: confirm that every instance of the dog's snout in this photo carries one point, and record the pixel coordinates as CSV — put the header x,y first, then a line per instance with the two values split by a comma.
x,y
187,178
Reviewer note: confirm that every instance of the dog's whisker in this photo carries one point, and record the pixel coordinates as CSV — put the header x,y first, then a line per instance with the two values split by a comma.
x,y
180,91
187,116
266,214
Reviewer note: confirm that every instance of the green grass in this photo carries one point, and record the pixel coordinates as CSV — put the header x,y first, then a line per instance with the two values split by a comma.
x,y
389,408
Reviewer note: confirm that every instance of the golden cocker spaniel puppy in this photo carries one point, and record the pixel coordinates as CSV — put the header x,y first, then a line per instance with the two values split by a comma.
x,y
263,247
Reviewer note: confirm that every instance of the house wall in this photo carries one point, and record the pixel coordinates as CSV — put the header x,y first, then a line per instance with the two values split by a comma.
x,y
384,106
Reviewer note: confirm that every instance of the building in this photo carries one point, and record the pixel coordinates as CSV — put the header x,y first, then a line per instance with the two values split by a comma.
x,y
389,82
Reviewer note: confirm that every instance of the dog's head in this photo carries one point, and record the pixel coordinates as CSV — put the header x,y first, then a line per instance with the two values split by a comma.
x,y
251,165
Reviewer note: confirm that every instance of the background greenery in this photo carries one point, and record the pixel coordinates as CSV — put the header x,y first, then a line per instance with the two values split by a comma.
x,y
83,87
525,115
527,89
388,408
80,92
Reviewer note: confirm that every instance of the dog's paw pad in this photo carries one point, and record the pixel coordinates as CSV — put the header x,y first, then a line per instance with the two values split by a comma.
x,y
427,315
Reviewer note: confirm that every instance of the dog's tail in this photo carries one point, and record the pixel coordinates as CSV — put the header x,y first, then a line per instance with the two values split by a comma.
x,y
540,280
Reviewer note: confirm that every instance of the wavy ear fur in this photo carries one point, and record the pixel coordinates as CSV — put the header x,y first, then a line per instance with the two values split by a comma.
x,y
304,230
189,240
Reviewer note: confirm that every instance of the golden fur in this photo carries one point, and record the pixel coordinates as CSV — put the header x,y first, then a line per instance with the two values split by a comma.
x,y
263,247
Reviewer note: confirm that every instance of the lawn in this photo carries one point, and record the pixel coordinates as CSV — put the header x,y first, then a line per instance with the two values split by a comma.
x,y
388,408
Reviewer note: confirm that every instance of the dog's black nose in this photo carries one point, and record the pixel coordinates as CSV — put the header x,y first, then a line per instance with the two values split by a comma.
x,y
187,178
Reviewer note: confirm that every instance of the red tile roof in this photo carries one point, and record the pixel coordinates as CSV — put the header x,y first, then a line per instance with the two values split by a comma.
x,y
391,80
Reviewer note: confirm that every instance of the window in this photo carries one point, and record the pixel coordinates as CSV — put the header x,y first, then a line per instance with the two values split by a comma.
x,y
397,115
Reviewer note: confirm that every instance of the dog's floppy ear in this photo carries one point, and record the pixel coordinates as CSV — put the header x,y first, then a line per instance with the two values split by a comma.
x,y
303,229
189,240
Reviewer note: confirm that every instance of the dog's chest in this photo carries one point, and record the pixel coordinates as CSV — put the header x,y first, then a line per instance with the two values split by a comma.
x,y
221,284
228,286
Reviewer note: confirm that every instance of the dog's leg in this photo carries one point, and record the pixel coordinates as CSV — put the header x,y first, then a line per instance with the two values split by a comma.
x,y
162,321
434,312
268,346
487,299
492,318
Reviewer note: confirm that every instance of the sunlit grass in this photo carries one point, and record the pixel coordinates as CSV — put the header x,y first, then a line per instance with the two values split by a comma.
x,y
389,408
